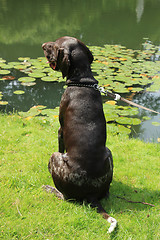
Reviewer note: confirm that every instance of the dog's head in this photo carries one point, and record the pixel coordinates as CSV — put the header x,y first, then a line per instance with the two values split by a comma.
x,y
65,53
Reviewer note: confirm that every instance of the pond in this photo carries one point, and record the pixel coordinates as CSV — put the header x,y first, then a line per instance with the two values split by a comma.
x,y
25,25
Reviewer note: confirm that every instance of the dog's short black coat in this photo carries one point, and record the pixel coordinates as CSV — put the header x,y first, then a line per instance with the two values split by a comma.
x,y
83,167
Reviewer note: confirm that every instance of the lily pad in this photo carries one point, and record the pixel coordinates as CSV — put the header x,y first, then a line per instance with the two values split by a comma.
x,y
157,124
2,60
31,113
8,78
23,58
3,102
48,79
146,118
18,92
28,84
20,66
4,72
7,66
128,121
26,79
118,129
37,75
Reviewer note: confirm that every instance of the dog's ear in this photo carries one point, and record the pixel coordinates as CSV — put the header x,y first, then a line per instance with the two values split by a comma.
x,y
88,52
90,56
63,61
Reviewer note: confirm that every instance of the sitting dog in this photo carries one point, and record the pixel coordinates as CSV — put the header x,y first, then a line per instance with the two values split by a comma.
x,y
83,167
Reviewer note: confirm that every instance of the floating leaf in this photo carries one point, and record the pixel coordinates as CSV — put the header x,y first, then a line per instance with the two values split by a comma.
x,y
124,130
4,72
20,66
18,92
2,60
31,113
2,64
114,129
3,102
37,75
130,121
28,84
48,79
156,124
8,78
146,118
23,58
137,89
111,102
7,66
26,79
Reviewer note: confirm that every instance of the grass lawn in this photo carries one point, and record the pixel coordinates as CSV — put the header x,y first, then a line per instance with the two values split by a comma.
x,y
28,212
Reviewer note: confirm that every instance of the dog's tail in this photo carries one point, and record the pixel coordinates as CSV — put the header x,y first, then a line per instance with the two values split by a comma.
x,y
113,222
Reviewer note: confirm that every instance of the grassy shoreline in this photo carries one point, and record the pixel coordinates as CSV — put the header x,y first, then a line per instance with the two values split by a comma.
x,y
27,212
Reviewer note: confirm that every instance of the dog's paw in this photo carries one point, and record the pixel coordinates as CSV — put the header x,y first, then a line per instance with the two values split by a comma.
x,y
113,223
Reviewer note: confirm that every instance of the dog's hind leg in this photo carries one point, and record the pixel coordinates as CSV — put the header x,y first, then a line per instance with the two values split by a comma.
x,y
113,222
53,190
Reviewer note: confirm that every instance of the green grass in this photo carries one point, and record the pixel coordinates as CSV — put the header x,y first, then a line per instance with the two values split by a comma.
x,y
28,212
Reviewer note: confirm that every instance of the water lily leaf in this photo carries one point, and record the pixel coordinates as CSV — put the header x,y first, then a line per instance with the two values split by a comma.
x,y
13,63
20,66
48,79
47,70
55,74
7,66
51,112
37,75
127,111
18,92
111,116
121,90
26,79
38,63
124,130
146,118
4,72
3,102
40,107
130,121
137,89
42,59
28,84
32,112
156,124
116,130
24,58
8,78
2,65
2,60
111,102
153,88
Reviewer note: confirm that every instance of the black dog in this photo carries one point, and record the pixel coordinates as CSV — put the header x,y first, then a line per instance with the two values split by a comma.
x,y
85,171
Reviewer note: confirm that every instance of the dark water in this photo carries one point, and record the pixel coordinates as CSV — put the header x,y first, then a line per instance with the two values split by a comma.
x,y
25,25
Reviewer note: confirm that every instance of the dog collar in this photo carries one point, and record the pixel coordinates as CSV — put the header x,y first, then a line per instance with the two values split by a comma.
x,y
83,85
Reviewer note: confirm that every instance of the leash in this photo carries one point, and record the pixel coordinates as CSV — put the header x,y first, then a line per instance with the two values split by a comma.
x,y
118,97
115,96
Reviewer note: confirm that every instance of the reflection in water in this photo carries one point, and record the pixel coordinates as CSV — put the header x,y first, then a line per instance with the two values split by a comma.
x,y
47,94
146,130
139,9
